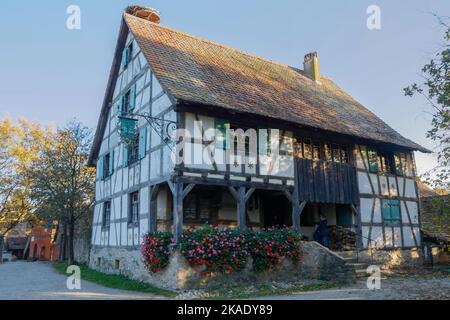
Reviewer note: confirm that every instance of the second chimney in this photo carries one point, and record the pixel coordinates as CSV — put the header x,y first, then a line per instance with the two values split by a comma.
x,y
311,66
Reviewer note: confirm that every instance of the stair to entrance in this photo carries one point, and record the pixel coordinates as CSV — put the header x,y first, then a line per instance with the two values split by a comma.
x,y
351,260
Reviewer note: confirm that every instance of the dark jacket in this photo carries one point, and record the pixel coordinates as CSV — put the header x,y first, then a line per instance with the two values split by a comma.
x,y
322,228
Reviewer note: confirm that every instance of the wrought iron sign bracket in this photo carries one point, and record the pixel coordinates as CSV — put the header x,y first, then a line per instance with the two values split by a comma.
x,y
164,128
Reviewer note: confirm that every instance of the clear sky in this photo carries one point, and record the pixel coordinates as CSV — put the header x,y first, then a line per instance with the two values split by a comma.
x,y
53,75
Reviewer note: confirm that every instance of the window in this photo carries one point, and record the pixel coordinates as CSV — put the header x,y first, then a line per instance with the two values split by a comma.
x,y
106,165
197,208
137,149
128,101
133,150
391,211
307,149
372,158
106,214
222,140
336,152
133,212
384,163
317,152
400,162
328,153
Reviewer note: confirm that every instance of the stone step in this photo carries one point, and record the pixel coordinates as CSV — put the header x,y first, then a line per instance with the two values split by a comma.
x,y
351,260
358,266
346,254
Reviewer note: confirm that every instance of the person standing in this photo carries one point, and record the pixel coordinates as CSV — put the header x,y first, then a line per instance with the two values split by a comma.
x,y
322,231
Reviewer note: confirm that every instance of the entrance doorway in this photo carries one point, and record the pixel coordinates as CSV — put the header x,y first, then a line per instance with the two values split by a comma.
x,y
276,209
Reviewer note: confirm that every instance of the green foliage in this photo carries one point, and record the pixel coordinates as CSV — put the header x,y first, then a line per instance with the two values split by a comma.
x,y
436,90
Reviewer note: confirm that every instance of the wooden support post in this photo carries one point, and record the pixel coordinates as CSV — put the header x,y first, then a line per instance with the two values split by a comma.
x,y
178,193
359,240
297,208
241,196
152,213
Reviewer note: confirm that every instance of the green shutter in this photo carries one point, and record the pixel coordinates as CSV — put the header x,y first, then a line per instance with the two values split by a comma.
x,y
142,142
100,168
395,211
111,162
221,137
391,211
122,105
386,209
125,155
372,159
132,97
124,61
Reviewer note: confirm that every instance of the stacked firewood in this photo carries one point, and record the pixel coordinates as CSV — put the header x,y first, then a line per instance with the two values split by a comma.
x,y
341,239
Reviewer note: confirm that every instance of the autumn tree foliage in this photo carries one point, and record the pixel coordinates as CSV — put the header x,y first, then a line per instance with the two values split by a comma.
x,y
435,88
20,144
62,184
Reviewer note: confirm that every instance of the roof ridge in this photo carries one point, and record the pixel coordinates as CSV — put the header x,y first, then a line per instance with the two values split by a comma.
x,y
222,45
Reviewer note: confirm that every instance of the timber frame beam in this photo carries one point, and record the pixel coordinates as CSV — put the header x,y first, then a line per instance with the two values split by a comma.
x,y
241,195
179,192
297,208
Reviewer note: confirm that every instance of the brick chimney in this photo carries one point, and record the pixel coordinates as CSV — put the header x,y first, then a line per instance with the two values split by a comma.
x,y
311,66
149,14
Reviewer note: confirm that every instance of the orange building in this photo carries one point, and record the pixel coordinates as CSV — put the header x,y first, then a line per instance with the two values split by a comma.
x,y
42,244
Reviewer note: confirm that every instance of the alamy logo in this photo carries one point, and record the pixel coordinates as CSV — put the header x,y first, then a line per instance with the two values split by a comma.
x,y
73,21
234,147
74,280
374,19
374,280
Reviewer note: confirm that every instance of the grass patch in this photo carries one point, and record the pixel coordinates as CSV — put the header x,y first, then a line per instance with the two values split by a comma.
x,y
115,281
265,289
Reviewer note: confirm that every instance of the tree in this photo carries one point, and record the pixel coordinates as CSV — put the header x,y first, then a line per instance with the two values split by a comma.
x,y
436,90
61,182
20,144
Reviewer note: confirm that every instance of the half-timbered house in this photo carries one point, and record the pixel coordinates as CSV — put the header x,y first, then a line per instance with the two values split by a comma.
x,y
334,156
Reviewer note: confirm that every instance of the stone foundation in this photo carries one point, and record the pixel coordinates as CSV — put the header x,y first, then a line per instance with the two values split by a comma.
x,y
392,259
318,263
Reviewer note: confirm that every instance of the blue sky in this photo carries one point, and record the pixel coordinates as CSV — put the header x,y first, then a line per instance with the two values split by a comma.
x,y
52,75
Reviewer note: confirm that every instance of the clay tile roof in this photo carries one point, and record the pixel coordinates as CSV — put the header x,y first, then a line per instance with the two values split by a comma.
x,y
200,71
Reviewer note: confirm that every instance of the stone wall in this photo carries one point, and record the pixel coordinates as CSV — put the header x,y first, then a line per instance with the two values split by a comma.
x,y
392,259
318,263
82,247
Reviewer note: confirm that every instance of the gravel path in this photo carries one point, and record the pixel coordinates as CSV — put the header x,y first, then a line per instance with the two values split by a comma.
x,y
401,288
40,281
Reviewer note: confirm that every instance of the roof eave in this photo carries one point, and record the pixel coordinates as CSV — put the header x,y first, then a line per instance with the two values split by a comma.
x,y
93,155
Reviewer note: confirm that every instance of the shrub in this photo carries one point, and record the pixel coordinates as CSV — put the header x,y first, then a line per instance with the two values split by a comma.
x,y
269,247
225,250
220,250
156,249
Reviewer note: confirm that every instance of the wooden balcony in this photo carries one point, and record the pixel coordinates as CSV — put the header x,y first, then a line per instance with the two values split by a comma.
x,y
326,182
